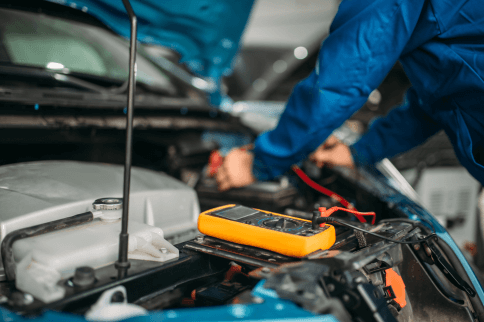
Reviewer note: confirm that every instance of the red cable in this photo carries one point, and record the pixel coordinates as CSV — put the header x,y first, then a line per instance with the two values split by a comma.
x,y
320,188
216,161
357,214
351,209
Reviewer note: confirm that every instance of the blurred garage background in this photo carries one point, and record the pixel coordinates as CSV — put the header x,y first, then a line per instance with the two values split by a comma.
x,y
280,47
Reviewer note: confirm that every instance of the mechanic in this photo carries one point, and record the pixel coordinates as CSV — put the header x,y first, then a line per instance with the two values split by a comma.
x,y
440,44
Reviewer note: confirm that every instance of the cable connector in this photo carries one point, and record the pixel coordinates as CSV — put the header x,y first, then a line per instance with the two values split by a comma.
x,y
319,220
323,213
215,161
331,220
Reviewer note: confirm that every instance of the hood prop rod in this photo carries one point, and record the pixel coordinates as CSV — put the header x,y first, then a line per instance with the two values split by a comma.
x,y
123,264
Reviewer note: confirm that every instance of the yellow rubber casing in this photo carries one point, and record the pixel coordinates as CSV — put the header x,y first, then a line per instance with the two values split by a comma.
x,y
276,241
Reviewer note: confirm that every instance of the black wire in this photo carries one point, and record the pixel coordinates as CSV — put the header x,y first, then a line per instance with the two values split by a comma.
x,y
415,223
332,220
403,220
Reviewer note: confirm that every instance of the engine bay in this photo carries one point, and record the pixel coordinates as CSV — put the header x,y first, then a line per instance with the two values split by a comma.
x,y
361,277
286,250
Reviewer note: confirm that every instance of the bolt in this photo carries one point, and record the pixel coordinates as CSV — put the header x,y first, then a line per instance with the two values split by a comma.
x,y
416,246
272,260
346,298
200,239
265,270
84,276
164,250
29,299
331,287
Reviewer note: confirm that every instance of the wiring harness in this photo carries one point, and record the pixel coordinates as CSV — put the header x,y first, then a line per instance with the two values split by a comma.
x,y
319,220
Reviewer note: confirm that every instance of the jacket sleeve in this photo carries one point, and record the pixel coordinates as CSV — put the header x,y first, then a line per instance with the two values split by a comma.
x,y
366,39
402,129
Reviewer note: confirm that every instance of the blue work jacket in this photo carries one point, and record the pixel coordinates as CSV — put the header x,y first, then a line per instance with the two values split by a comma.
x,y
440,44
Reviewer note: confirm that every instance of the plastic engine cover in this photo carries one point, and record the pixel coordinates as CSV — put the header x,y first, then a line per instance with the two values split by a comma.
x,y
37,192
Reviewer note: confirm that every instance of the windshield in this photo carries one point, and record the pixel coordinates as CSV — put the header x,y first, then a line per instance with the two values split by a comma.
x,y
39,40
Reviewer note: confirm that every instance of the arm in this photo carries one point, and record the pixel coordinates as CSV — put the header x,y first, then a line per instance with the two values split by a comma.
x,y
402,129
366,40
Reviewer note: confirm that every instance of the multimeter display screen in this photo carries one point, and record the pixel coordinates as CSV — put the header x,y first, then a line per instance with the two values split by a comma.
x,y
236,213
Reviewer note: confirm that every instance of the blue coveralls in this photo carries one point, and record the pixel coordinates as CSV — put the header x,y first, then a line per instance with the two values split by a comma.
x,y
440,44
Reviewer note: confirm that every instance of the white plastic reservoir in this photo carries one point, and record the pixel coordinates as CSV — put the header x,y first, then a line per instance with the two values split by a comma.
x,y
43,260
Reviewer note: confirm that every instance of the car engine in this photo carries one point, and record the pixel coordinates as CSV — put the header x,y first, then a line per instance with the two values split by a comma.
x,y
59,248
92,241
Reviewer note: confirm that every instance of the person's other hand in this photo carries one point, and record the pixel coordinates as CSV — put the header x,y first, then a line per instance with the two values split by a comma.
x,y
236,170
333,153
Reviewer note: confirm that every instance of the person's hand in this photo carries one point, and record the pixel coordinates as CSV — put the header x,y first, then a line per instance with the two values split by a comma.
x,y
332,153
236,170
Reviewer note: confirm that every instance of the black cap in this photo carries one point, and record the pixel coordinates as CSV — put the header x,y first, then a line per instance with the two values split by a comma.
x,y
84,276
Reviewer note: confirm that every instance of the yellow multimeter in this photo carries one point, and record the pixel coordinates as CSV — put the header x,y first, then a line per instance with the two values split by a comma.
x,y
271,231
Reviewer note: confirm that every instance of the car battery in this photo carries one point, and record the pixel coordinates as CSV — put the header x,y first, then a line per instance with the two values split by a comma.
x,y
269,195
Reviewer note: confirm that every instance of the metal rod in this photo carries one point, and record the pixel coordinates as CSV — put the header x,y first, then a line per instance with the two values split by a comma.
x,y
123,264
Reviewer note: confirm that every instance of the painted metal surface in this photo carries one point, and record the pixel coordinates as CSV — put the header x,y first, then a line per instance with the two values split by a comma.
x,y
271,309
205,33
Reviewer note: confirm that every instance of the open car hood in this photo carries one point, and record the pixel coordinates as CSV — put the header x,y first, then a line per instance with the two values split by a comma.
x,y
205,33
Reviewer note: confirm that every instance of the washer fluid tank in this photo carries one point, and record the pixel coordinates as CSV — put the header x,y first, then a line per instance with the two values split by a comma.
x,y
43,260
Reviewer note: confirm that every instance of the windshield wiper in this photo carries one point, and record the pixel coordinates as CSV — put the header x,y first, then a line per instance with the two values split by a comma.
x,y
71,80
27,71
116,87
183,76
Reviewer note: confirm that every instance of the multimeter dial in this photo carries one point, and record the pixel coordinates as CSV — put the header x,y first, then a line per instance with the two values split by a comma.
x,y
281,223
